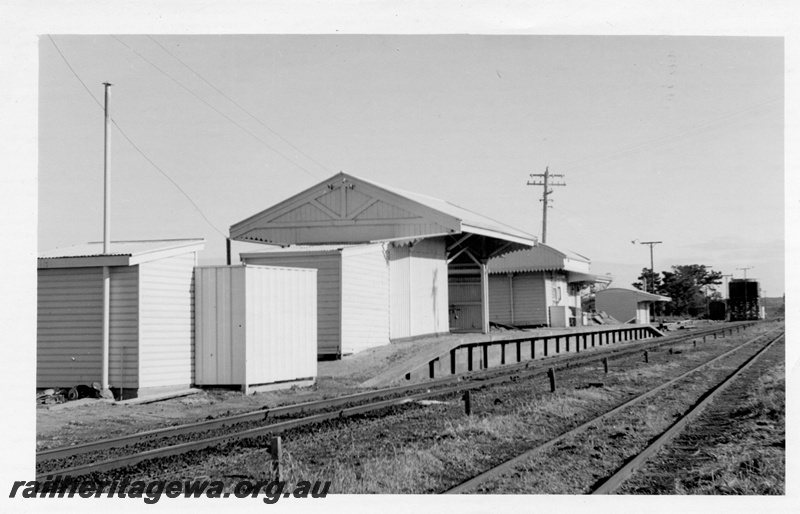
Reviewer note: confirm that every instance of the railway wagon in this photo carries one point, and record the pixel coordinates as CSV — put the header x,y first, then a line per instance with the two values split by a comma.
x,y
744,299
717,310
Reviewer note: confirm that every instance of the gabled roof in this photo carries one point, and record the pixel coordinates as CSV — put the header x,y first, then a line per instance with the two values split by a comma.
x,y
540,258
121,253
640,296
350,209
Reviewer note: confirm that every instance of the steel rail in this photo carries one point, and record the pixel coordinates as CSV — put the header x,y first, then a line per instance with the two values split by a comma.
x,y
167,451
622,474
612,352
509,464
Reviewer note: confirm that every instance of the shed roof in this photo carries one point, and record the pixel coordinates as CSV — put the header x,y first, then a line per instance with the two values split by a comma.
x,y
121,253
640,296
350,209
540,258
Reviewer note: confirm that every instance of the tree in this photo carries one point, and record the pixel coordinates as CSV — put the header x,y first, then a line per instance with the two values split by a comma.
x,y
685,286
648,281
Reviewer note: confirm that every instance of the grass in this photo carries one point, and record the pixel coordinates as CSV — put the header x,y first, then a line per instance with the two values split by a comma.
x,y
753,460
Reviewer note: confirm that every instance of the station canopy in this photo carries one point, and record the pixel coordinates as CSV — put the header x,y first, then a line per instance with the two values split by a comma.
x,y
346,209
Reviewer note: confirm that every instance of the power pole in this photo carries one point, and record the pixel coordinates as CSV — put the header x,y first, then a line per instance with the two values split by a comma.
x,y
652,287
545,201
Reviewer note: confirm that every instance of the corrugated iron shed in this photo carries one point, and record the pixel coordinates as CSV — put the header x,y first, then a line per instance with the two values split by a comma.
x,y
151,314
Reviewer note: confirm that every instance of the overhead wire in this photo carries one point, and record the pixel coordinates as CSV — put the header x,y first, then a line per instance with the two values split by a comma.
x,y
139,150
234,102
251,134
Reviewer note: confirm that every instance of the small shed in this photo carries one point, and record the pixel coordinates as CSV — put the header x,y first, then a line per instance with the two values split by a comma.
x,y
255,326
151,315
627,305
540,286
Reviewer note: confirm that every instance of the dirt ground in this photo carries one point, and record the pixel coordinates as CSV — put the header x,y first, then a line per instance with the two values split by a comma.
x,y
101,420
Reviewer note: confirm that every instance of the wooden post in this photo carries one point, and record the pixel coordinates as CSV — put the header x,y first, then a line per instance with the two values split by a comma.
x,y
545,346
431,368
467,403
694,342
519,351
485,355
646,356
605,365
469,358
551,374
704,339
558,344
276,454
453,361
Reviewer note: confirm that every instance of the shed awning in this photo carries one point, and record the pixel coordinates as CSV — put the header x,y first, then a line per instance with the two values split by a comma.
x,y
348,209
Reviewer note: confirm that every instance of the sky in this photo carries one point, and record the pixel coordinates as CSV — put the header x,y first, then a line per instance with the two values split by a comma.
x,y
674,139
666,119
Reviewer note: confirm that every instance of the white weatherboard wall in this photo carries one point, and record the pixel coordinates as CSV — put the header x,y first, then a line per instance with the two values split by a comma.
x,y
365,298
166,322
256,326
419,289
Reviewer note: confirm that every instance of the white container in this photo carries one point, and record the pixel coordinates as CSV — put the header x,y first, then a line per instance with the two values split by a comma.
x,y
255,327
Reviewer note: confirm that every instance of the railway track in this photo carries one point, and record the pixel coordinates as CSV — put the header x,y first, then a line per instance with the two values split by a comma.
x,y
110,454
614,480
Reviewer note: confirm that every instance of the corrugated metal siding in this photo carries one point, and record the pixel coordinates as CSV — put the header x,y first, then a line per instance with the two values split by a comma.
x,y
500,290
281,324
365,298
328,293
620,305
220,325
530,299
166,324
465,302
123,370
70,327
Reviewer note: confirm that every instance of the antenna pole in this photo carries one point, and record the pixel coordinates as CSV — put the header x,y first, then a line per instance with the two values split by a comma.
x,y
107,176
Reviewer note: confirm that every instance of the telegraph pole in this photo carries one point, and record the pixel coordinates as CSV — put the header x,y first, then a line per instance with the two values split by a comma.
x,y
545,181
651,244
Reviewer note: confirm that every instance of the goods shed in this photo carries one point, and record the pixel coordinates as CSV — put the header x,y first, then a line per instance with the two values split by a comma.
x,y
255,327
151,315
627,305
539,286
420,237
